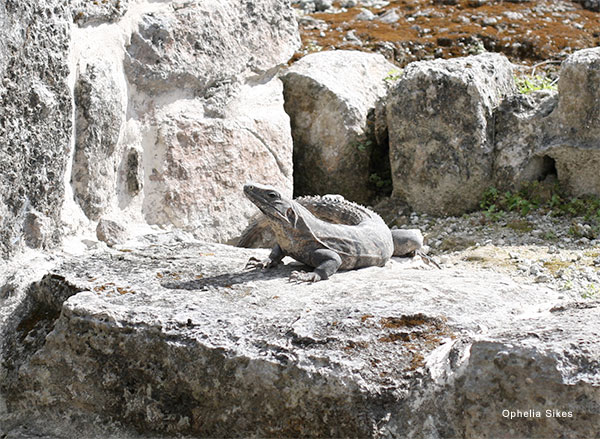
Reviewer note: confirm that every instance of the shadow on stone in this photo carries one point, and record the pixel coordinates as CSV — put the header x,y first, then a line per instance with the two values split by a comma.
x,y
227,280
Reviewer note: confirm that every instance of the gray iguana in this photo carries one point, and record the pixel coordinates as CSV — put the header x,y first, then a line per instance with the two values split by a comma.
x,y
327,233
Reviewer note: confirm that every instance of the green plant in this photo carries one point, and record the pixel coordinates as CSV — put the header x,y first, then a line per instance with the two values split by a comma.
x,y
362,146
380,182
550,236
530,83
591,291
393,75
548,199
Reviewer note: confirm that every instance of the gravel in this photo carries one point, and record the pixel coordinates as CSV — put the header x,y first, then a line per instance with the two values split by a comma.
x,y
537,248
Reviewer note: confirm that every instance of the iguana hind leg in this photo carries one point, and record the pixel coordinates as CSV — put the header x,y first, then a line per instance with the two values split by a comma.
x,y
326,262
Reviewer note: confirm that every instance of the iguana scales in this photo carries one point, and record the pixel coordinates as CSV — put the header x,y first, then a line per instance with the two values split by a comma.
x,y
327,233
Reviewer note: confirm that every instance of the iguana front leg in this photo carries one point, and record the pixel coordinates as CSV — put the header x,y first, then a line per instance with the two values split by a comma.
x,y
326,262
274,259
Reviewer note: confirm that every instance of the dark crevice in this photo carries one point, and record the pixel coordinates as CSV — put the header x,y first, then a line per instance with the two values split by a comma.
x,y
28,327
380,174
547,168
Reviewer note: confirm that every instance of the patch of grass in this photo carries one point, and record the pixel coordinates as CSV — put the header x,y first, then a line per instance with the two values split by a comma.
x,y
529,83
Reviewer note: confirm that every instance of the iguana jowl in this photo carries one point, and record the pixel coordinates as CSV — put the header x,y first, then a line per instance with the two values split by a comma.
x,y
327,233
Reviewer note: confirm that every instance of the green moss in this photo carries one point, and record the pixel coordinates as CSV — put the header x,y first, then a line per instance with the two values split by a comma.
x,y
522,226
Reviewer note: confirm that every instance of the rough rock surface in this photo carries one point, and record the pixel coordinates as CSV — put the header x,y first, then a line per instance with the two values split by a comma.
x,y
549,132
208,112
35,120
86,13
99,115
176,108
441,128
168,335
521,127
576,122
329,97
196,46
201,160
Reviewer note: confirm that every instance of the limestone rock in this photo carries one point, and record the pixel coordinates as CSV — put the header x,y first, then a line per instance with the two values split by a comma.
x,y
35,118
576,124
99,111
440,122
198,45
201,161
554,133
173,337
522,125
536,368
329,96
86,12
111,232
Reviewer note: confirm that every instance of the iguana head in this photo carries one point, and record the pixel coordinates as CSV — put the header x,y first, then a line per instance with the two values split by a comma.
x,y
270,201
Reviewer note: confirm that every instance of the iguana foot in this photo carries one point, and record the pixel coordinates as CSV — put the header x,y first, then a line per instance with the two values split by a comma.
x,y
257,264
302,276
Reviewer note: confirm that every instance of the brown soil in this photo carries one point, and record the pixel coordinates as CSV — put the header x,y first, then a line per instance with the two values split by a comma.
x,y
527,32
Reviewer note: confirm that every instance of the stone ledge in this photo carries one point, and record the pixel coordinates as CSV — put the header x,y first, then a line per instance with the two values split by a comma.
x,y
171,337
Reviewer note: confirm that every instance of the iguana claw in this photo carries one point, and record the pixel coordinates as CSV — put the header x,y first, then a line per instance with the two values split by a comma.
x,y
257,264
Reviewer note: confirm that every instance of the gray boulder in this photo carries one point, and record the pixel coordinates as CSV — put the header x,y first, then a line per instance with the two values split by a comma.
x,y
329,97
111,232
35,121
441,130
169,336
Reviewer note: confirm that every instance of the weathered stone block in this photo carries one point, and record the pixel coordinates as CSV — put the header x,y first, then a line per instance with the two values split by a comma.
x,y
200,162
329,97
576,124
171,337
440,122
558,133
199,45
522,125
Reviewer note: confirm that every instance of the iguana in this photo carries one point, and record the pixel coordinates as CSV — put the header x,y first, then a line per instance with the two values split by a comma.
x,y
327,233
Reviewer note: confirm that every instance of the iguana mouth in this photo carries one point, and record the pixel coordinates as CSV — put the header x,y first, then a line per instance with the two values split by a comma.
x,y
268,200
